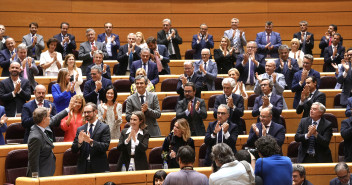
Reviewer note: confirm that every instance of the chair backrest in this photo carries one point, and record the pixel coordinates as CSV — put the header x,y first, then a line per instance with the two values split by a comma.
x,y
283,122
113,157
332,118
251,100
189,54
169,104
16,163
69,162
327,82
75,53
155,160
41,71
218,85
341,153
337,103
122,85
243,125
59,134
14,133
50,86
82,85
169,85
292,151
124,106
211,102
172,123
202,152
114,70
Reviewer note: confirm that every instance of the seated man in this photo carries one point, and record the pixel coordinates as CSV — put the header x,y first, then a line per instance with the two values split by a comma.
x,y
98,57
309,95
343,175
299,175
202,40
268,41
94,89
333,54
7,56
189,76
286,65
159,53
127,54
314,133
208,69
149,66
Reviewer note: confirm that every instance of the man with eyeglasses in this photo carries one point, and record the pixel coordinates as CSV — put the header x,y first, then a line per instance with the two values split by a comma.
x,y
148,65
345,78
202,40
189,76
169,37
266,126
237,37
343,174
127,54
208,69
98,58
286,65
220,131
333,54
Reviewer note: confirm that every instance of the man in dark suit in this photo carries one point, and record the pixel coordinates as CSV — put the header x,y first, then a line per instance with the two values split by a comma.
x,y
250,63
67,42
14,91
333,53
111,40
306,39
314,133
346,134
326,40
33,41
28,67
310,94
189,76
3,37
159,55
343,174
266,127
192,109
7,56
348,111
41,159
268,41
299,79
232,100
29,107
149,66
220,131
127,54
169,37
98,57
286,65
299,175
94,88
202,40
345,78
87,49
208,69
92,141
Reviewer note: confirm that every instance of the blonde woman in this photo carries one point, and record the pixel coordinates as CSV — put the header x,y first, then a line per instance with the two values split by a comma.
x,y
140,42
224,56
296,53
150,86
239,88
74,71
63,90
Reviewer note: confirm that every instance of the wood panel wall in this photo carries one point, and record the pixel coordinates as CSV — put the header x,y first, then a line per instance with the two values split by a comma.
x,y
186,16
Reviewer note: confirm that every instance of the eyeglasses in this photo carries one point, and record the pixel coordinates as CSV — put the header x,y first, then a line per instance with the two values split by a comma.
x,y
87,112
188,91
263,85
343,177
221,113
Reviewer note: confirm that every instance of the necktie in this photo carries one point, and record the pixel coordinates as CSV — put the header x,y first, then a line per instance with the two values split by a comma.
x,y
142,99
65,47
311,149
158,63
191,108
49,135
330,39
169,46
91,130
92,43
130,60
25,72
304,42
251,77
188,79
267,42
40,104
220,135
33,50
145,68
205,66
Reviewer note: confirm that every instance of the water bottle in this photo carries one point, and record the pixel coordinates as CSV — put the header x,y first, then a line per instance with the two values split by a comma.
x,y
131,166
165,165
123,169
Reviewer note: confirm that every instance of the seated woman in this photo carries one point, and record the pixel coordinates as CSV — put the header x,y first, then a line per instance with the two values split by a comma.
x,y
240,88
159,177
179,136
150,86
224,56
74,71
110,112
295,53
3,125
133,144
63,90
51,60
74,119
140,42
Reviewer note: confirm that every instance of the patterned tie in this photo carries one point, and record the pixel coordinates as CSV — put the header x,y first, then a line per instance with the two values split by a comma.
x,y
311,149
65,47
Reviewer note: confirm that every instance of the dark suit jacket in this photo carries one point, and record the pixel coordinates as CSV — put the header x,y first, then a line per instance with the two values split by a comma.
x,y
322,150
288,73
165,53
140,157
346,133
70,46
84,53
27,116
346,84
275,100
202,44
5,57
305,108
98,157
161,39
196,121
3,127
14,103
275,40
276,130
106,75
296,88
244,69
336,181
325,43
235,114
89,90
41,158
31,72
309,46
122,58
328,54
153,74
114,48
224,63
348,111
210,142
197,79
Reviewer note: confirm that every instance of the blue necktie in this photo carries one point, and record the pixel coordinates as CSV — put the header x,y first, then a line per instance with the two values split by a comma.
x,y
130,59
33,50
311,149
251,77
65,47
91,130
145,68
220,140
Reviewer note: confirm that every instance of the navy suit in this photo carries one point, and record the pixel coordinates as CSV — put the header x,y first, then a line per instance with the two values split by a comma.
x,y
325,43
5,57
114,47
275,40
27,115
212,73
122,57
163,52
275,100
288,73
308,45
89,90
198,82
69,47
209,43
210,142
244,69
305,107
346,134
3,127
152,73
337,59
336,181
235,114
106,75
348,111
346,84
276,130
298,88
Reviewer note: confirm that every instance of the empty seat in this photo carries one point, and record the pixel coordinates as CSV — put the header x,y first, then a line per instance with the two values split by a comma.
x,y
50,86
169,104
327,82
243,125
341,152
14,133
337,103
169,85
113,157
251,100
292,151
124,106
16,163
40,69
202,152
218,85
59,134
122,85
155,160
189,54
69,162
283,122
211,102
332,118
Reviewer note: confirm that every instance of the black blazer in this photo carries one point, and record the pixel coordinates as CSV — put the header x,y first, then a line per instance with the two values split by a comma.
x,y
122,58
309,46
346,133
140,156
276,130
225,63
98,157
161,39
275,100
197,79
305,108
89,90
69,48
322,150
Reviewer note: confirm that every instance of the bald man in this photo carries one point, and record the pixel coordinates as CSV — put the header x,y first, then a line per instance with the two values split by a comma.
x,y
7,56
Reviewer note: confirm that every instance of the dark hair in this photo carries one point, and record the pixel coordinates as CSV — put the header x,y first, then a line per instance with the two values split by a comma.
x,y
314,80
267,146
335,27
268,23
64,23
186,155
300,169
106,90
160,174
92,104
141,117
51,40
337,35
109,183
191,84
34,23
243,155
151,40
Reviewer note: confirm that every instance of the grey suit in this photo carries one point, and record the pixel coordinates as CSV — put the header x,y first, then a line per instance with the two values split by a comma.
x,y
84,53
212,73
38,47
153,112
240,42
41,158
31,72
